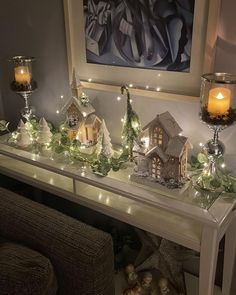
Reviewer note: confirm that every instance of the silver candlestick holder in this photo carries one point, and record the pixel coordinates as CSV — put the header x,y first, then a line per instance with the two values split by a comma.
x,y
23,83
218,111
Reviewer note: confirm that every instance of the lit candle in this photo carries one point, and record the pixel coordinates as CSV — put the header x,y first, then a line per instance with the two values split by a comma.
x,y
219,101
22,74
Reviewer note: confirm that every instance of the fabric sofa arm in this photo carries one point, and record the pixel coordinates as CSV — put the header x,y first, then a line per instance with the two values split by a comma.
x,y
82,256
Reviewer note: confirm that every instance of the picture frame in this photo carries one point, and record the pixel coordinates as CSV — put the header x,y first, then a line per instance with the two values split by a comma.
x,y
170,85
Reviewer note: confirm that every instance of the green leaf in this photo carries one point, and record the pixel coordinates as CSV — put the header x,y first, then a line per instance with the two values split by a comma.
x,y
202,158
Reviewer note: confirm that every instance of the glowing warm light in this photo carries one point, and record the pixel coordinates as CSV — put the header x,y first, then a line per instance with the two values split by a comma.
x,y
83,173
62,96
90,80
131,100
131,85
180,134
122,120
22,74
201,144
129,210
100,196
107,201
219,101
135,124
147,87
159,75
57,111
223,165
126,146
158,89
84,114
118,98
51,180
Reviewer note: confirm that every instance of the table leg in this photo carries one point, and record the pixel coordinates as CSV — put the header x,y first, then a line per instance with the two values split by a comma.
x,y
208,260
229,257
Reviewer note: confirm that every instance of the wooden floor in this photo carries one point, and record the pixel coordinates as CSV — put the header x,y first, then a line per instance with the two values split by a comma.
x,y
191,284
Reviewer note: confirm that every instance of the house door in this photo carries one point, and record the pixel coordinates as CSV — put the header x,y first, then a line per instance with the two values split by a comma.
x,y
156,167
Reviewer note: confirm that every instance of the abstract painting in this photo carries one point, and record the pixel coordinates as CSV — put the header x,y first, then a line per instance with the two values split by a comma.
x,y
149,34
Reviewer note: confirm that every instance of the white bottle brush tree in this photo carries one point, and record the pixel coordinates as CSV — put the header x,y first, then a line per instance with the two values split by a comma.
x,y
23,138
104,141
44,133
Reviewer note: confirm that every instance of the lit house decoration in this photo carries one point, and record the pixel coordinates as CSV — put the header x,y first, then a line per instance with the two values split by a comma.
x,y
81,121
162,152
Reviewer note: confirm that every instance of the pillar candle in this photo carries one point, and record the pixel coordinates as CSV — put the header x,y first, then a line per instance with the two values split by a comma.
x,y
22,74
219,101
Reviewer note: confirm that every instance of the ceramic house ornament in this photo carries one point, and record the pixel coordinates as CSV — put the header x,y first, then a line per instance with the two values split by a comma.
x,y
44,133
81,121
164,158
23,139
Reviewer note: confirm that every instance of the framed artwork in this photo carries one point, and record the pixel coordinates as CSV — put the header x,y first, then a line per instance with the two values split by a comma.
x,y
155,45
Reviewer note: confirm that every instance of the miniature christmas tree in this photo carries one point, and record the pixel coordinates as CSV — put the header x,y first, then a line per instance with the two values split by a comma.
x,y
23,137
44,133
131,126
104,141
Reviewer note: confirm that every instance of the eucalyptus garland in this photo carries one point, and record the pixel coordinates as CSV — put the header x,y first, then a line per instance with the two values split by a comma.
x,y
61,144
218,181
3,125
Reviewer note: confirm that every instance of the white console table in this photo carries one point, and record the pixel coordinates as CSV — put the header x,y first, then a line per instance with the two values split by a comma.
x,y
167,213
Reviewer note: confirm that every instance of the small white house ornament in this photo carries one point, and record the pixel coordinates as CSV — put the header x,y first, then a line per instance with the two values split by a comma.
x,y
81,121
162,152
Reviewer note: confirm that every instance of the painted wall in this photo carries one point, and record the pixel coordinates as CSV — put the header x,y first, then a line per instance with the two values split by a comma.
x,y
37,28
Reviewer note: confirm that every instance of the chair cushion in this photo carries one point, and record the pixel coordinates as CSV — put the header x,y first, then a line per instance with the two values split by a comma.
x,y
25,271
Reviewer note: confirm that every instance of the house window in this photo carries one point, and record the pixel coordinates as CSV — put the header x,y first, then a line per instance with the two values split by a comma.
x,y
156,167
157,136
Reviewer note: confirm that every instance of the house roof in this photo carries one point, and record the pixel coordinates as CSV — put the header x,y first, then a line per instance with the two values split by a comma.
x,y
84,109
167,122
176,146
90,120
158,151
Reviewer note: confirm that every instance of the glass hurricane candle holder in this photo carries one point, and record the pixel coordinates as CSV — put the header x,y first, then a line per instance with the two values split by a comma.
x,y
23,82
218,106
218,111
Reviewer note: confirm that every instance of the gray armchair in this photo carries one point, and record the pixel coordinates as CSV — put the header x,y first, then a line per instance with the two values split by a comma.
x,y
81,256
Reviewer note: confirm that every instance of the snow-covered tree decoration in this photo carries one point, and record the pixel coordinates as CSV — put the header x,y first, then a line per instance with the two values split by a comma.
x,y
44,133
104,141
23,138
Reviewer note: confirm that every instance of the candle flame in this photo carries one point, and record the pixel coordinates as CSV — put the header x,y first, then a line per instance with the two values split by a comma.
x,y
220,96
22,71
